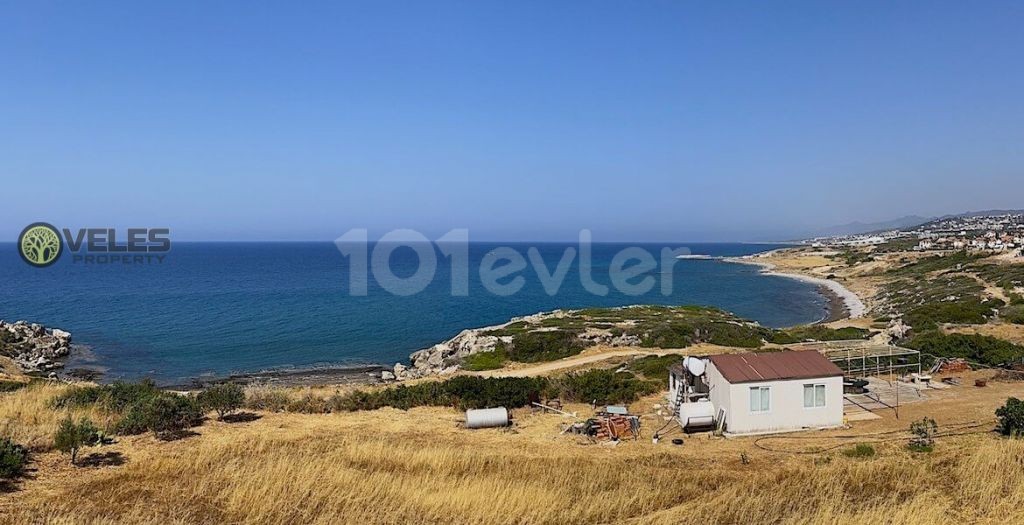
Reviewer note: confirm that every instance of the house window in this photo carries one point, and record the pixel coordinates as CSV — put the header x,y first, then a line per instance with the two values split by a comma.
x,y
760,398
814,396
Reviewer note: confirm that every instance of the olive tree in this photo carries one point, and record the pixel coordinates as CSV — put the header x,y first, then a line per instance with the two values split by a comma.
x,y
223,399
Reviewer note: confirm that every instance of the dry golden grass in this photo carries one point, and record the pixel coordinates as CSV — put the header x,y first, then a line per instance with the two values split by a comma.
x,y
27,417
390,466
792,261
9,371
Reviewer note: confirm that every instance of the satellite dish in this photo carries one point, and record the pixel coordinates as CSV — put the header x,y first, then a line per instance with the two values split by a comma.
x,y
694,365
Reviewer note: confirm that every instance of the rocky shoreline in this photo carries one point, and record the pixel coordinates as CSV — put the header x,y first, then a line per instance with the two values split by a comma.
x,y
293,377
445,358
33,347
836,308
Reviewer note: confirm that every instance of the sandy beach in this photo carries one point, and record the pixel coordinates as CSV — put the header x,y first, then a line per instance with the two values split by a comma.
x,y
854,307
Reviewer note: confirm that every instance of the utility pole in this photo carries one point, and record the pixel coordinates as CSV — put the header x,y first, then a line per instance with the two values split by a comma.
x,y
897,397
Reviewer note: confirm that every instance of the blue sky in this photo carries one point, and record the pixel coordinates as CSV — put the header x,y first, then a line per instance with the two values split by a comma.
x,y
518,120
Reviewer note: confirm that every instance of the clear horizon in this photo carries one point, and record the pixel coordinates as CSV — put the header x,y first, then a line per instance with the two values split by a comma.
x,y
527,122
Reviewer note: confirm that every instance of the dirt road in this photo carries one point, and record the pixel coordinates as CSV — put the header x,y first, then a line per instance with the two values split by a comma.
x,y
601,354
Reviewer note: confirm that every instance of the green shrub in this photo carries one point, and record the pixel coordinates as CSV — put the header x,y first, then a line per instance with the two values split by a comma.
x,y
654,368
12,386
12,459
968,310
861,450
115,397
78,396
1011,417
142,406
853,258
463,392
937,263
681,333
818,333
511,392
1013,314
533,347
71,436
133,421
468,392
978,348
914,447
309,403
486,360
604,386
732,334
223,399
169,414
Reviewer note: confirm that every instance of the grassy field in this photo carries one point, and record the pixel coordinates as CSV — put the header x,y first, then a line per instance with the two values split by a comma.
x,y
389,466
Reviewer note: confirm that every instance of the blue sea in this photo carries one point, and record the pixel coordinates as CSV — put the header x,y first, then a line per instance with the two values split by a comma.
x,y
213,309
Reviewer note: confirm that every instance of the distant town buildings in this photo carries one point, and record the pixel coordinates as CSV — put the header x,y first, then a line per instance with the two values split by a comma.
x,y
995,233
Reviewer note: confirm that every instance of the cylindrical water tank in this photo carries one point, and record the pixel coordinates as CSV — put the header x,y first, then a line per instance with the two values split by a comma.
x,y
699,413
487,418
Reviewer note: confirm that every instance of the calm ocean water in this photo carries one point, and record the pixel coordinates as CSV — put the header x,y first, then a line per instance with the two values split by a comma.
x,y
220,308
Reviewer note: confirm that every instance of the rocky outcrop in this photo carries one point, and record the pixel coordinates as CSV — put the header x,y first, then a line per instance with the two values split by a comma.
x,y
33,347
446,358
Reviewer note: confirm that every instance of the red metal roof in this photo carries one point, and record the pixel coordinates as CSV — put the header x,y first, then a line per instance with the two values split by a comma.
x,y
770,366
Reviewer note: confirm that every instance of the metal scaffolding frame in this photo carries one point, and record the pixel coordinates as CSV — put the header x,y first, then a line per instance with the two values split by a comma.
x,y
859,358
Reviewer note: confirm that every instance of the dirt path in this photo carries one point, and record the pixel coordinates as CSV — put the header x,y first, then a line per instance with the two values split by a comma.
x,y
541,369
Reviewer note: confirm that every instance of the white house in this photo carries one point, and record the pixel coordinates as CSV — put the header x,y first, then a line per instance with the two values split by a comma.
x,y
761,392
866,241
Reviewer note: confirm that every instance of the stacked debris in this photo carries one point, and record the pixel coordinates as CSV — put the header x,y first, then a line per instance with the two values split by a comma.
x,y
953,366
610,427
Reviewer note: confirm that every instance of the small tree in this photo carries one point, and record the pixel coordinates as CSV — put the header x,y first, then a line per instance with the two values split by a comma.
x,y
71,436
924,434
169,414
1011,417
224,399
12,459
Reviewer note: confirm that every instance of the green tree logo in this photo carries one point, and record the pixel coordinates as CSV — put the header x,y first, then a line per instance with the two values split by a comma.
x,y
39,244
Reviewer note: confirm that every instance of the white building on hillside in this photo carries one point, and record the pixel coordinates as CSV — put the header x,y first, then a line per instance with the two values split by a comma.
x,y
759,393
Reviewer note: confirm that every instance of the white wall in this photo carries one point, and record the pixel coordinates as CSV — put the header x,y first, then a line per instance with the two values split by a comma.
x,y
787,410
718,391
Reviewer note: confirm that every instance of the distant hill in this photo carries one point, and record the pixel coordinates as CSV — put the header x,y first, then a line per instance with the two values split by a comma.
x,y
857,228
860,228
974,214
980,214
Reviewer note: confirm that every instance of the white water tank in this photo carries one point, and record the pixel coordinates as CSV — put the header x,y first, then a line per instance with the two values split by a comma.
x,y
487,418
696,414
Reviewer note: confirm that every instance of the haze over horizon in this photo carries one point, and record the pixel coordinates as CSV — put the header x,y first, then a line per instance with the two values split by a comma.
x,y
527,121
